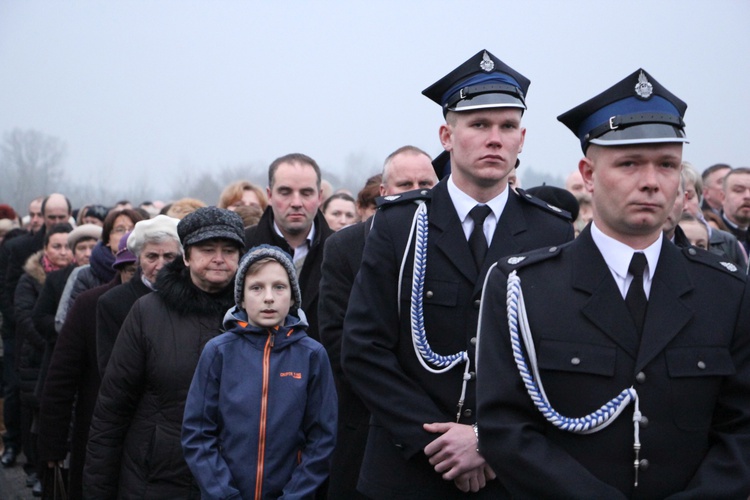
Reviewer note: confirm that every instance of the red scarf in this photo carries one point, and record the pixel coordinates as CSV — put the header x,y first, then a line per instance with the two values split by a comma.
x,y
48,265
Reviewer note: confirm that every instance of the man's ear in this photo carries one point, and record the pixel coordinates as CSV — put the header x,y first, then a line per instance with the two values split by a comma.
x,y
586,168
446,136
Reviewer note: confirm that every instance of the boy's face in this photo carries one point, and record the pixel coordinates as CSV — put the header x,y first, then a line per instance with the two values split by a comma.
x,y
267,296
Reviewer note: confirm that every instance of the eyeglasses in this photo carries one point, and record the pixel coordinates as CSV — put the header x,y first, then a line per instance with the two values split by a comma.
x,y
120,230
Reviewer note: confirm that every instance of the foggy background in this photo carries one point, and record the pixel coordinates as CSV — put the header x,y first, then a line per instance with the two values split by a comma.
x,y
163,99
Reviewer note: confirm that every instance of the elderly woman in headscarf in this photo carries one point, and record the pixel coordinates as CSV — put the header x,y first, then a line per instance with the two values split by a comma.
x,y
155,243
134,446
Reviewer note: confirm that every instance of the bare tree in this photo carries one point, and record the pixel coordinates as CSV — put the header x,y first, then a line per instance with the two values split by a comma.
x,y
31,165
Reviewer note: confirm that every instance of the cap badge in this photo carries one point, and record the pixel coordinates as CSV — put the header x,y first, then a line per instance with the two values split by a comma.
x,y
643,88
730,267
392,197
516,260
487,64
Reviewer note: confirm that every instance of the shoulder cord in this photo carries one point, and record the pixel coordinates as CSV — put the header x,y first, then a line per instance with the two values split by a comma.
x,y
594,422
422,347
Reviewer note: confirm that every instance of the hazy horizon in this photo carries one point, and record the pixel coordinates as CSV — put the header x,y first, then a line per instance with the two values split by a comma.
x,y
157,93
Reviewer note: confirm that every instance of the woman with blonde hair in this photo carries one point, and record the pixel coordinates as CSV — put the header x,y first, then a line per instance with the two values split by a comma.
x,y
242,193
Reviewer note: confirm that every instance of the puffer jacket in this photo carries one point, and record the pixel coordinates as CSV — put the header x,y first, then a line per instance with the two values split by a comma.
x,y
260,419
30,343
134,442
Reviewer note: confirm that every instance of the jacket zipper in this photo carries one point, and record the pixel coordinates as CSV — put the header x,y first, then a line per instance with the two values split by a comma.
x,y
263,415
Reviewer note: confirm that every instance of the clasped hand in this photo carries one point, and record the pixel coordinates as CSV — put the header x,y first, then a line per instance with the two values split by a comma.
x,y
454,455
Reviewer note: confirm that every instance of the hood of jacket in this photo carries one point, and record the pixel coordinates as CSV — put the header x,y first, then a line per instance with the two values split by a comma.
x,y
293,329
34,267
174,286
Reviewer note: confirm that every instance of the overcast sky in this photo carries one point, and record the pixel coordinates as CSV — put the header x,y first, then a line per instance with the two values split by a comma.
x,y
141,91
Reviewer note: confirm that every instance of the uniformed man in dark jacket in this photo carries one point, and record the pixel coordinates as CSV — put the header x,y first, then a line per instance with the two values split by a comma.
x,y
408,344
624,359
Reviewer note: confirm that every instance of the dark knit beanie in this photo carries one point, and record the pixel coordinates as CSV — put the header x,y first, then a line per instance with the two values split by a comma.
x,y
208,223
261,252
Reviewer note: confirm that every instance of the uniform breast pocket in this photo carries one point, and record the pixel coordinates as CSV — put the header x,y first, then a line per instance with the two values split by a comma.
x,y
590,368
576,357
695,375
436,293
444,318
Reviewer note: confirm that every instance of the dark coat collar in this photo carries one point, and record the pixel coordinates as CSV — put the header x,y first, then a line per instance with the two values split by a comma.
x,y
264,232
444,219
175,287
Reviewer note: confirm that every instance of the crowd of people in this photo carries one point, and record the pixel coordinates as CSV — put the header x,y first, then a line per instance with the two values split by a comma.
x,y
415,339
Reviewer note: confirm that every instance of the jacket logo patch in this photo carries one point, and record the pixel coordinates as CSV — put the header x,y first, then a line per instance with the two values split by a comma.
x,y
296,375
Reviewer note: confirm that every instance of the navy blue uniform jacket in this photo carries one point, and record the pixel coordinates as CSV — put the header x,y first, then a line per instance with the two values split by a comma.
x,y
691,371
378,356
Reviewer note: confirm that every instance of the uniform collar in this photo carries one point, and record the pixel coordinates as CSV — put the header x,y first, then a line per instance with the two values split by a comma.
x,y
464,203
618,255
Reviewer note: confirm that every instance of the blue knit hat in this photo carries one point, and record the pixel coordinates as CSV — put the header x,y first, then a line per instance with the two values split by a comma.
x,y
261,252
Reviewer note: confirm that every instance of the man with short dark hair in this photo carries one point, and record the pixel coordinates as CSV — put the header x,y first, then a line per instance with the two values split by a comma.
x,y
735,211
713,187
618,366
293,222
408,344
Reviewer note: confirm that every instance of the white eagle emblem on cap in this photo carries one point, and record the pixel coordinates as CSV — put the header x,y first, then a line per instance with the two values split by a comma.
x,y
392,197
731,267
643,88
516,260
487,64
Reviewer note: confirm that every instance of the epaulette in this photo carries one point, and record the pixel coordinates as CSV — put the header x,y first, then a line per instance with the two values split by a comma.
x,y
537,202
512,262
714,261
397,199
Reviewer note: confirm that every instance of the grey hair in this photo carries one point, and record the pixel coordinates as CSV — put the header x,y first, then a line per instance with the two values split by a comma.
x,y
155,237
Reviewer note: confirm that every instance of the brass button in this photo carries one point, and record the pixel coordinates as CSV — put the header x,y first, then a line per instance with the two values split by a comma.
x,y
644,464
692,251
473,341
476,303
644,421
701,365
552,249
575,361
641,377
423,192
467,413
429,294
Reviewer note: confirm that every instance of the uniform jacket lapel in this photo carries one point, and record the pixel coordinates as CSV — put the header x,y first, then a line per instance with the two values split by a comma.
x,y
448,234
605,308
667,314
506,240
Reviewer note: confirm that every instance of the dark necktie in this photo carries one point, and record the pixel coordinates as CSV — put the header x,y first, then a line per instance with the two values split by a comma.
x,y
636,297
477,241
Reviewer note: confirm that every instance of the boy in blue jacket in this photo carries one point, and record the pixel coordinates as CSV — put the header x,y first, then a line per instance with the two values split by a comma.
x,y
260,416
